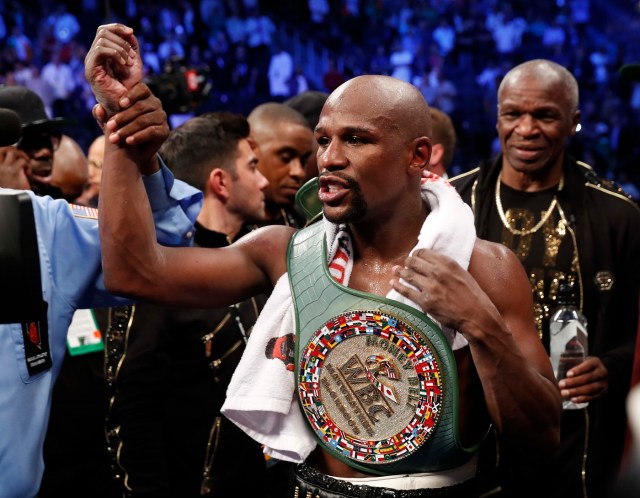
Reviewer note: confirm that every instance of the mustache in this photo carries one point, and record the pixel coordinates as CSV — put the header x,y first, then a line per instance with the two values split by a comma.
x,y
349,181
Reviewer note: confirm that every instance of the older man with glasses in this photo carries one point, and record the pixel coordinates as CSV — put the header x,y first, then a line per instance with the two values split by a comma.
x,y
40,138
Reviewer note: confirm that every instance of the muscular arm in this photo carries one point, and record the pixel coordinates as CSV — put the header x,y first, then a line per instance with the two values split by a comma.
x,y
134,263
515,371
491,305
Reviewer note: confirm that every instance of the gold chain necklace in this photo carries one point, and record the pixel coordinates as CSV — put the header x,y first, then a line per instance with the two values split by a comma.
x,y
542,221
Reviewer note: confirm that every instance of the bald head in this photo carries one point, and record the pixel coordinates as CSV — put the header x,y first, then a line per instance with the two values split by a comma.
x,y
373,147
95,155
96,149
70,171
265,115
283,144
547,74
386,99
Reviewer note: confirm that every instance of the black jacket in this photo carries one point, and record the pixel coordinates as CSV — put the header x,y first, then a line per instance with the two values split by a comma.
x,y
607,227
169,383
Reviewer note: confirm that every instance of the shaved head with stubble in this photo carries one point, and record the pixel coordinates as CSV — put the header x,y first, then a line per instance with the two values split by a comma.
x,y
382,127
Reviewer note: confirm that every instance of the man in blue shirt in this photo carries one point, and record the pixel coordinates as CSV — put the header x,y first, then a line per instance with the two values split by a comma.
x,y
71,278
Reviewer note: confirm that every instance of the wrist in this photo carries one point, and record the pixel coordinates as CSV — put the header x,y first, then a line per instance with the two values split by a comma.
x,y
150,166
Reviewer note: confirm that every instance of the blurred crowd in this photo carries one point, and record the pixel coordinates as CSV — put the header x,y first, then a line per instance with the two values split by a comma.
x,y
272,64
205,55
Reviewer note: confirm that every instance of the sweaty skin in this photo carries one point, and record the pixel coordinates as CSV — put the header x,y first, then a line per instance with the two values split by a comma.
x,y
373,132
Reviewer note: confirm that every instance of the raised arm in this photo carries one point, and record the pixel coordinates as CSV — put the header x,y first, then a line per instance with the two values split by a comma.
x,y
134,263
491,305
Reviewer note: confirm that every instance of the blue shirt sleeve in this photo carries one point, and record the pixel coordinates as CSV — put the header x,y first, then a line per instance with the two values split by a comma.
x,y
70,255
175,206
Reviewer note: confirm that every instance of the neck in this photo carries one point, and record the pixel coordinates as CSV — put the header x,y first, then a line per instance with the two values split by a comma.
x,y
214,216
389,239
531,182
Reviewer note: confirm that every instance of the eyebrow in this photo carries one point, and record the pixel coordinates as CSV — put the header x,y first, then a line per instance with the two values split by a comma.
x,y
349,130
288,149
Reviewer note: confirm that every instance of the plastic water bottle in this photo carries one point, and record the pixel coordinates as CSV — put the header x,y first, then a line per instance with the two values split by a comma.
x,y
568,337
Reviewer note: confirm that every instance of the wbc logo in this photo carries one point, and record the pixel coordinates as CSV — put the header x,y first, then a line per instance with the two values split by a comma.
x,y
370,386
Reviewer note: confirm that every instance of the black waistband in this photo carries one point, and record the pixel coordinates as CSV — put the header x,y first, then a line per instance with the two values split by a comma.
x,y
308,482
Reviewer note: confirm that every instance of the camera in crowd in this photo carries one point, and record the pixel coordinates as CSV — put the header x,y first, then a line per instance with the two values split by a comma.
x,y
180,88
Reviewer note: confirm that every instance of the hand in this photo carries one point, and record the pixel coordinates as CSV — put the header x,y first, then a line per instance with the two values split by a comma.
x,y
585,382
442,288
13,168
113,64
142,122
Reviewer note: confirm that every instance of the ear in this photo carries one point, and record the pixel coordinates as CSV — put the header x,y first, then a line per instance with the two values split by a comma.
x,y
421,155
219,183
437,151
576,122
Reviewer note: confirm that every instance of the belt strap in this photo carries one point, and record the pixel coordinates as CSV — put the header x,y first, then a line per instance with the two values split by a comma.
x,y
310,483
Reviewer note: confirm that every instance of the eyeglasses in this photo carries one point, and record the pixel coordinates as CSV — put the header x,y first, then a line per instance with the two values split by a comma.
x,y
32,141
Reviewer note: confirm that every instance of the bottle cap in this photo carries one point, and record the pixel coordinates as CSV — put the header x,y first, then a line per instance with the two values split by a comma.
x,y
566,293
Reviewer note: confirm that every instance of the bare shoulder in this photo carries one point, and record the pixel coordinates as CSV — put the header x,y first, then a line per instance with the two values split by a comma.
x,y
488,251
498,271
267,247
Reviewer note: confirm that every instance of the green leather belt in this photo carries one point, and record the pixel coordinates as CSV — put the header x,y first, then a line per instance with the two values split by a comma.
x,y
377,379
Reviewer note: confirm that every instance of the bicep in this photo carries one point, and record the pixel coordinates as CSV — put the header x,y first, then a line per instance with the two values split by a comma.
x,y
509,289
213,277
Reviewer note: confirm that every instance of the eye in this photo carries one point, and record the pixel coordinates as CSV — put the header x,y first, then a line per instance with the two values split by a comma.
x,y
323,141
509,115
354,140
547,117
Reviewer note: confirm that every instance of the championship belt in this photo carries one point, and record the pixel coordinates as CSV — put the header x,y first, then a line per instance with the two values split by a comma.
x,y
376,379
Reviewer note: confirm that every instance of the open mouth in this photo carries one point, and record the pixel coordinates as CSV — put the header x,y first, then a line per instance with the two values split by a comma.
x,y
332,189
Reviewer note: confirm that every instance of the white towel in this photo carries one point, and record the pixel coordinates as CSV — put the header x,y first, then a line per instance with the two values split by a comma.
x,y
261,397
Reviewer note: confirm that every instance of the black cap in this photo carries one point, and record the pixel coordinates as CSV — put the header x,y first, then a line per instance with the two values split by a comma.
x,y
630,72
28,106
308,103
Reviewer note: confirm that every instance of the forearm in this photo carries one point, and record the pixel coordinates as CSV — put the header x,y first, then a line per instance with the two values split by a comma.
x,y
127,231
522,398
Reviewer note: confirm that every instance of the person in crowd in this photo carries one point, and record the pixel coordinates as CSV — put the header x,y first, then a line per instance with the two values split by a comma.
x,y
359,396
91,193
32,348
59,76
174,365
309,104
280,72
333,77
70,172
283,144
563,221
443,145
76,460
39,140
